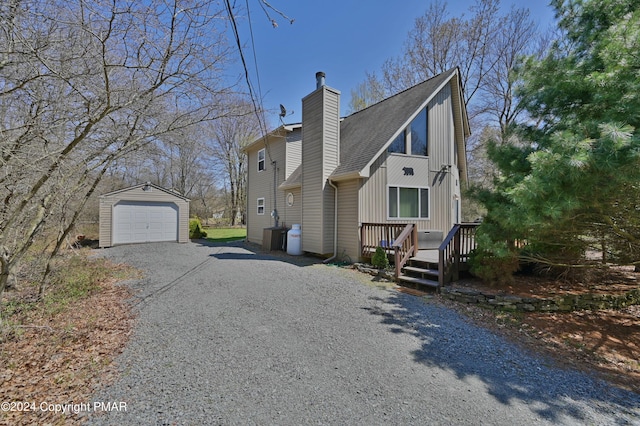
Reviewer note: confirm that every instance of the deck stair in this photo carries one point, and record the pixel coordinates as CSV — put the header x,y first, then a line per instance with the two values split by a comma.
x,y
420,275
423,260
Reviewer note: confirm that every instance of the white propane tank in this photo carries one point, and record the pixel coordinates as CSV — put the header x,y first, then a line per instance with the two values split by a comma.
x,y
294,243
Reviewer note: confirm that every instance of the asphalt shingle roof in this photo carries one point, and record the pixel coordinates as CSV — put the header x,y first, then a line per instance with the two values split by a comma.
x,y
364,133
294,180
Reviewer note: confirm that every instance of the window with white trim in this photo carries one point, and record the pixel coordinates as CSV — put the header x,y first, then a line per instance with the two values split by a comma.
x,y
261,162
408,203
260,206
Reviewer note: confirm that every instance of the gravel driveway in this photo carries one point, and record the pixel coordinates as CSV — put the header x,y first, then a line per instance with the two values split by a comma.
x,y
226,335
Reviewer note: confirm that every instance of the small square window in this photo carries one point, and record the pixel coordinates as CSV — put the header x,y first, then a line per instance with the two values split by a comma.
x,y
260,206
261,162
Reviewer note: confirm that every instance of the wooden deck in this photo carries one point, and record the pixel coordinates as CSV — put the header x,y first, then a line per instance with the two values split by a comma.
x,y
430,256
440,263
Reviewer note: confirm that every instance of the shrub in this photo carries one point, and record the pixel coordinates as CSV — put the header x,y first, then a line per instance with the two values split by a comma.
x,y
380,259
493,269
195,229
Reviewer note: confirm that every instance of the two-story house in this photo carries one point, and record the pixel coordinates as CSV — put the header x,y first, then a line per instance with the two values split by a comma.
x,y
401,161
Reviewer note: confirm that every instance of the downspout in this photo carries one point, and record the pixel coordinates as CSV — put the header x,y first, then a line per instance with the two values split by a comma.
x,y
274,212
335,222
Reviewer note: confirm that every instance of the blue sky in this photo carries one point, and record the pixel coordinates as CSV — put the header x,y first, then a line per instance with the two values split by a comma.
x,y
343,38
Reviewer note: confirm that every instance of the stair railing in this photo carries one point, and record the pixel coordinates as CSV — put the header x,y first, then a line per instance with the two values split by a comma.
x,y
405,246
455,248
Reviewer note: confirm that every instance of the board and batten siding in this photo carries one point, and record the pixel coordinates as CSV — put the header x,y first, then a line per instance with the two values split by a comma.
x,y
348,227
373,194
137,194
459,150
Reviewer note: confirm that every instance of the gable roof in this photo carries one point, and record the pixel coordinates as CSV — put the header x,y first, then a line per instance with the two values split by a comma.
x,y
282,131
365,134
294,180
141,185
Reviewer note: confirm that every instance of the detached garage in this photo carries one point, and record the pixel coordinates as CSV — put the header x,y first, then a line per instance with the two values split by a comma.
x,y
141,214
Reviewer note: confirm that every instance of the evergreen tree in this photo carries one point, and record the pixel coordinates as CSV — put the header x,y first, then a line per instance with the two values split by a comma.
x,y
574,183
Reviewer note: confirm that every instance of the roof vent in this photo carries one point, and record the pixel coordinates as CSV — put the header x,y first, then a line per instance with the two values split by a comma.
x,y
319,79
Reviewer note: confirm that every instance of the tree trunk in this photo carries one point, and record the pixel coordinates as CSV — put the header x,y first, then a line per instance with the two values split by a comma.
x,y
234,203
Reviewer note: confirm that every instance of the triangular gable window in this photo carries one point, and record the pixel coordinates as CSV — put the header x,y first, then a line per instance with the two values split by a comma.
x,y
413,140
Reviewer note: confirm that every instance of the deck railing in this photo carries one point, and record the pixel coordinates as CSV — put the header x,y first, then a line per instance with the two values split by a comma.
x,y
455,250
401,241
398,239
383,235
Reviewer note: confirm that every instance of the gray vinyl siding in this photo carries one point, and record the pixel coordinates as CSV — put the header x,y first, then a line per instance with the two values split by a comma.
x,y
260,184
312,183
320,135
290,215
108,201
348,227
373,202
331,156
287,153
331,132
106,219
294,151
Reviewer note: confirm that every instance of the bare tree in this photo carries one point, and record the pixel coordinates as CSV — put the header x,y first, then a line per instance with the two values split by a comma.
x,y
227,136
180,158
485,46
84,83
369,92
515,38
437,43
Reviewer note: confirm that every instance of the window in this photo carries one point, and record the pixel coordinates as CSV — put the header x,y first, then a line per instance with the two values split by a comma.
x,y
399,144
261,160
260,206
419,134
413,139
412,203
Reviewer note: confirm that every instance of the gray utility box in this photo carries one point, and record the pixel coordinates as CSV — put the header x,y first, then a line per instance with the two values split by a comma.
x,y
274,238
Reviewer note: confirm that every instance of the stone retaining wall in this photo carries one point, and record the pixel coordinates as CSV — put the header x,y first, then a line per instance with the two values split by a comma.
x,y
567,303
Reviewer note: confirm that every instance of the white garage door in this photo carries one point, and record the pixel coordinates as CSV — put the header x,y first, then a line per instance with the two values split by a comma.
x,y
142,222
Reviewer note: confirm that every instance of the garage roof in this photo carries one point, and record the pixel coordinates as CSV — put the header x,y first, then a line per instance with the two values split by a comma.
x,y
150,185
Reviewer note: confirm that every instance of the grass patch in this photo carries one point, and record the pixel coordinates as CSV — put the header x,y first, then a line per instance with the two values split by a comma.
x,y
224,235
74,277
78,279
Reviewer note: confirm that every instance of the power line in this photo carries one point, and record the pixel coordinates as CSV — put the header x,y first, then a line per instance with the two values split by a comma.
x,y
258,111
253,49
